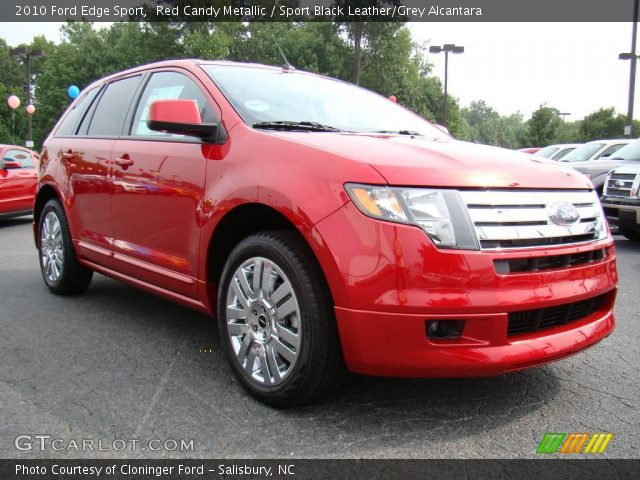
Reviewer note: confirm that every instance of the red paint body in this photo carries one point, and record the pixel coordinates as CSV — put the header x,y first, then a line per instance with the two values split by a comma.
x,y
530,149
145,212
18,185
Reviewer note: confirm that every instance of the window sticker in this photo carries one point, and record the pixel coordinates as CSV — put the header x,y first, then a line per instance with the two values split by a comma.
x,y
257,105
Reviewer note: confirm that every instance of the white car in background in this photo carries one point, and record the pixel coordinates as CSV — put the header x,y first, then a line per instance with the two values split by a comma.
x,y
595,150
558,151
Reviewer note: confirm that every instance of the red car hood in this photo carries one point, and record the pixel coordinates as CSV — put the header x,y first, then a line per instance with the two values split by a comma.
x,y
407,161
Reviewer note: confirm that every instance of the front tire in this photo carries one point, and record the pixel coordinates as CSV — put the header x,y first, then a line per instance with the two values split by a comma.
x,y
276,320
60,268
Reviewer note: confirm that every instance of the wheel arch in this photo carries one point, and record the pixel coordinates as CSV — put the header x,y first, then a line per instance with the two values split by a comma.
x,y
237,224
45,193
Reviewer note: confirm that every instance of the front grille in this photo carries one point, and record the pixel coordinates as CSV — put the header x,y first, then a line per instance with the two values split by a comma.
x,y
535,264
619,184
522,219
540,319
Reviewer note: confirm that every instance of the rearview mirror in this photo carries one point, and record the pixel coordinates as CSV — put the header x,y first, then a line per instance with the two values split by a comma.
x,y
10,165
180,117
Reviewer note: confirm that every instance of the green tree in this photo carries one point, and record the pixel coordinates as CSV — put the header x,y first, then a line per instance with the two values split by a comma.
x,y
542,126
568,132
483,122
360,33
12,82
601,124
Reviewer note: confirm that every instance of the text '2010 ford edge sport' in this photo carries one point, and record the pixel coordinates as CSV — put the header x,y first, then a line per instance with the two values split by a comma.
x,y
323,225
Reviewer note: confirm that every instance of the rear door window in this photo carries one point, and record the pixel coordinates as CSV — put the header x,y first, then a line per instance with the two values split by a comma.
x,y
69,125
19,156
109,115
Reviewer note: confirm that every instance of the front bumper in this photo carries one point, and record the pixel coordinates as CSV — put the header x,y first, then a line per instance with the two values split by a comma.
x,y
388,280
396,344
622,213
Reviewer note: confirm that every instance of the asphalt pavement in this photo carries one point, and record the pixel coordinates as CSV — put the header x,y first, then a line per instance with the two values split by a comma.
x,y
141,377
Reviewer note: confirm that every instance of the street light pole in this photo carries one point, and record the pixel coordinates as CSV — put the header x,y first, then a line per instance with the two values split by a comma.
x,y
447,48
29,142
563,115
28,55
628,130
446,95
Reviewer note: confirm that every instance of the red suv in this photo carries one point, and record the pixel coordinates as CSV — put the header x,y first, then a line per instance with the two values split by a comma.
x,y
323,225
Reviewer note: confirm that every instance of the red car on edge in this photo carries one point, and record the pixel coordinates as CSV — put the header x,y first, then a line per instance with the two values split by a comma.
x,y
323,225
18,180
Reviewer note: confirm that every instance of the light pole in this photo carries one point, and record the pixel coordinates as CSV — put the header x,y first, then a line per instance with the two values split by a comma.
x,y
24,52
563,115
628,130
447,49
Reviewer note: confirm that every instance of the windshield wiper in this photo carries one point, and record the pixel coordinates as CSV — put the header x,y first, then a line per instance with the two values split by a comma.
x,y
290,126
617,158
400,132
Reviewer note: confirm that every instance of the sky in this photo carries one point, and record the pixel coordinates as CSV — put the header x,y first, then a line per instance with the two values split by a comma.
x,y
573,67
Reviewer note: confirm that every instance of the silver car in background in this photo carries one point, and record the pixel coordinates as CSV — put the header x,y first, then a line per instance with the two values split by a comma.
x,y
595,150
596,159
558,151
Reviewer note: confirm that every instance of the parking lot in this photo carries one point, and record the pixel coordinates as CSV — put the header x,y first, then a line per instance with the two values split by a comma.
x,y
118,363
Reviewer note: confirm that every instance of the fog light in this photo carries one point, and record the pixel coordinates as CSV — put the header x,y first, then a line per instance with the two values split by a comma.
x,y
444,329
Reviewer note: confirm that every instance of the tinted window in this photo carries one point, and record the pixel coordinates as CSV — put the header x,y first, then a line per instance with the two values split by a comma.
x,y
70,122
20,156
169,86
583,152
547,152
563,153
112,107
629,152
611,150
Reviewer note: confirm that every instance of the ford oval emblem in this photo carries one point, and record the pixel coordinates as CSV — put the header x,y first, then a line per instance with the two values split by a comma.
x,y
564,213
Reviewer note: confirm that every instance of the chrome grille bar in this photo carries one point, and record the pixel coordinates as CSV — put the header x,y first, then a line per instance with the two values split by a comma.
x,y
522,219
620,184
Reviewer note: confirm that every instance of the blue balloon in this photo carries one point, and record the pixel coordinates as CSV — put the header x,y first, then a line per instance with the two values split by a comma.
x,y
73,91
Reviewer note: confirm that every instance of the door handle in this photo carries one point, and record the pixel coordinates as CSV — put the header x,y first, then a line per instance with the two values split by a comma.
x,y
123,161
68,155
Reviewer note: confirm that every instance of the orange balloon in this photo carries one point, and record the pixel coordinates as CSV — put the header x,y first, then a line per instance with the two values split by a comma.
x,y
13,102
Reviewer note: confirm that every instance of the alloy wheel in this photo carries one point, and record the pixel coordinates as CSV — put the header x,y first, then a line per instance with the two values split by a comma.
x,y
51,247
263,321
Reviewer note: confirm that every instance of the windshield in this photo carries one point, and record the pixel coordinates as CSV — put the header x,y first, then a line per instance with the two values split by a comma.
x,y
583,152
546,152
563,153
268,95
628,152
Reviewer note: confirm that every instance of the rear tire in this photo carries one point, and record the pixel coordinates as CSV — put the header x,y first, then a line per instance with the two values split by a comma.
x,y
61,271
276,321
631,234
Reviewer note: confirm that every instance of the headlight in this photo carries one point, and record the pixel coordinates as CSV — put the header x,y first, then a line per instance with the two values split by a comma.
x,y
440,213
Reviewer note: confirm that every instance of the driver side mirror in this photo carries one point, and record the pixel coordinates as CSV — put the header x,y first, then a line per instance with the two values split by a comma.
x,y
180,117
9,165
